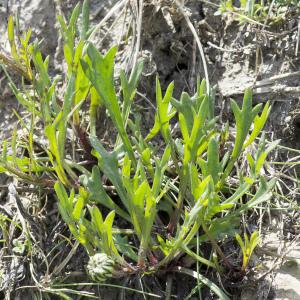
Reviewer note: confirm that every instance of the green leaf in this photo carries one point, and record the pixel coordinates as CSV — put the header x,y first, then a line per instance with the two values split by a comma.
x,y
129,88
82,87
98,194
218,291
62,24
221,228
129,91
262,195
108,163
11,38
76,214
202,260
163,109
50,132
254,240
78,53
97,219
68,56
155,129
74,16
124,247
243,118
186,109
41,66
85,19
65,203
212,167
213,163
241,190
259,123
150,213
101,76
241,243
184,128
159,171
146,159
138,201
108,223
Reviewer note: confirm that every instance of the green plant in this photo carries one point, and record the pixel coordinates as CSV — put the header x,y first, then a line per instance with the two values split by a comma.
x,y
247,247
253,11
168,200
247,11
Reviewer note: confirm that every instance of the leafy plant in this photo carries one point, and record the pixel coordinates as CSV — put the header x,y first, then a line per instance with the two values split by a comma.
x,y
253,11
157,204
247,247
